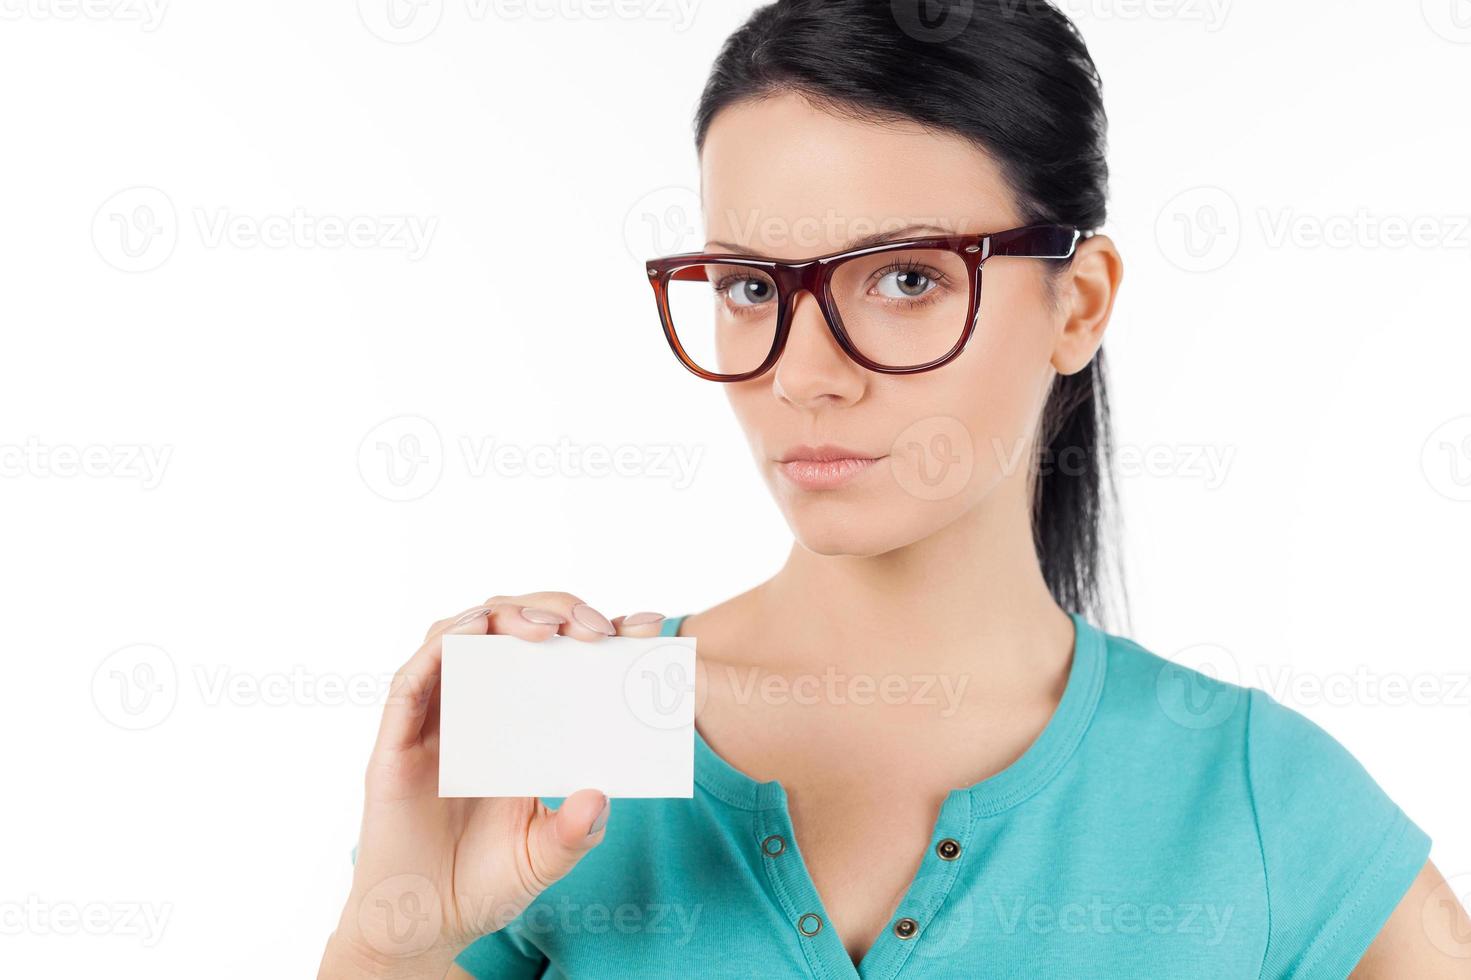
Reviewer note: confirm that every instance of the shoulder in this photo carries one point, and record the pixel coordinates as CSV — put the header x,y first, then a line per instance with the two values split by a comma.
x,y
1186,710
1336,852
1192,706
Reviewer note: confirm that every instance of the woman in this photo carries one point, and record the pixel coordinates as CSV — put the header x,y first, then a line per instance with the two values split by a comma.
x,y
1030,796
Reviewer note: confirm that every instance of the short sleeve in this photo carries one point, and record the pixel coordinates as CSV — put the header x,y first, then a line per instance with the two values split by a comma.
x,y
1339,853
502,955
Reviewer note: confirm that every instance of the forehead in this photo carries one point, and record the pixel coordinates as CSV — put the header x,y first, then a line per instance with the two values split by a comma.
x,y
783,178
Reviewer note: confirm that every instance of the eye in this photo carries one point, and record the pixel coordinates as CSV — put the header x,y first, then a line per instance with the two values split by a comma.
x,y
904,284
746,291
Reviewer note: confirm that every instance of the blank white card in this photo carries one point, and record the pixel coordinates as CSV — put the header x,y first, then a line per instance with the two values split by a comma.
x,y
524,718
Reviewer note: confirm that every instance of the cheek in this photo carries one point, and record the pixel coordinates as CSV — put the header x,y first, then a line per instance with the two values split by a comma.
x,y
1006,371
995,391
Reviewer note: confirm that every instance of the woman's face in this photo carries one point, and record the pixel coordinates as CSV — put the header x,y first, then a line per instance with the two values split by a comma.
x,y
783,179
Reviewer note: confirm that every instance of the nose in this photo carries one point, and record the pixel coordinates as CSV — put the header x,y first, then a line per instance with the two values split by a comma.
x,y
813,371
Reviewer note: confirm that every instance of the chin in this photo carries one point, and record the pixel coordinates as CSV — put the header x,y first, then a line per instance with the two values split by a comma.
x,y
834,528
840,543
866,524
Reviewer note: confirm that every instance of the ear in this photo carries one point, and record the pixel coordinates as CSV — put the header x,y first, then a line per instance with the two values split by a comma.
x,y
1085,298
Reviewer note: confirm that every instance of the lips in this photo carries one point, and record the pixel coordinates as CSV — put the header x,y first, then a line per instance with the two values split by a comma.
x,y
824,467
826,452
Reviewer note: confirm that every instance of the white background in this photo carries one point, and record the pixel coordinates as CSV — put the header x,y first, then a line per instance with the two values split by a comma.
x,y
291,393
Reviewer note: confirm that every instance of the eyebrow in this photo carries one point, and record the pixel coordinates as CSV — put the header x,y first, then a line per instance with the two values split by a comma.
x,y
878,238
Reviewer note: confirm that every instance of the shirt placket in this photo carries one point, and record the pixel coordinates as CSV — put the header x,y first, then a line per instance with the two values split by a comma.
x,y
792,888
923,927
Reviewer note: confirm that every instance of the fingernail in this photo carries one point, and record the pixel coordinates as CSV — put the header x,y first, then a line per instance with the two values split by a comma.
x,y
592,619
544,617
602,820
472,614
641,618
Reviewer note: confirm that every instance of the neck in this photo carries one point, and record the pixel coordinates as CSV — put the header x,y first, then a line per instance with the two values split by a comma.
x,y
969,597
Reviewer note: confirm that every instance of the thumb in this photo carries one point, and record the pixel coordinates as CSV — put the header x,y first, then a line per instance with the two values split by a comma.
x,y
557,839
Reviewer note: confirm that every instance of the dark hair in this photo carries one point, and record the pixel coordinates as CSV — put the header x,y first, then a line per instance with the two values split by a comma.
x,y
1015,78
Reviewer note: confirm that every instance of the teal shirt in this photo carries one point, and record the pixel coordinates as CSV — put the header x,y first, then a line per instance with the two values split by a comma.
x,y
1163,825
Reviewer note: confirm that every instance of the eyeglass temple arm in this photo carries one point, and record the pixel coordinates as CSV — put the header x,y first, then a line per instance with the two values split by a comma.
x,y
1036,242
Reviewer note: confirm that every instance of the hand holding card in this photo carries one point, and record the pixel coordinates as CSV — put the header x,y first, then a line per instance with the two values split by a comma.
x,y
432,874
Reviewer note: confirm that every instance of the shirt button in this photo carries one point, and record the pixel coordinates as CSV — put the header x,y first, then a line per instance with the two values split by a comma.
x,y
948,849
810,924
773,845
905,928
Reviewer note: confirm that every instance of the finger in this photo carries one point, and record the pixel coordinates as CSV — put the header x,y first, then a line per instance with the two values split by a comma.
x,y
508,616
412,695
501,619
512,618
639,624
527,622
439,626
580,620
408,696
586,623
557,839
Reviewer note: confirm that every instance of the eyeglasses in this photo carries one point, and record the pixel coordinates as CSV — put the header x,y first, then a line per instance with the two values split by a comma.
x,y
896,308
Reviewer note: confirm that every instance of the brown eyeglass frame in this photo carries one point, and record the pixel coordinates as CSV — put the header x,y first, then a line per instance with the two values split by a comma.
x,y
814,276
